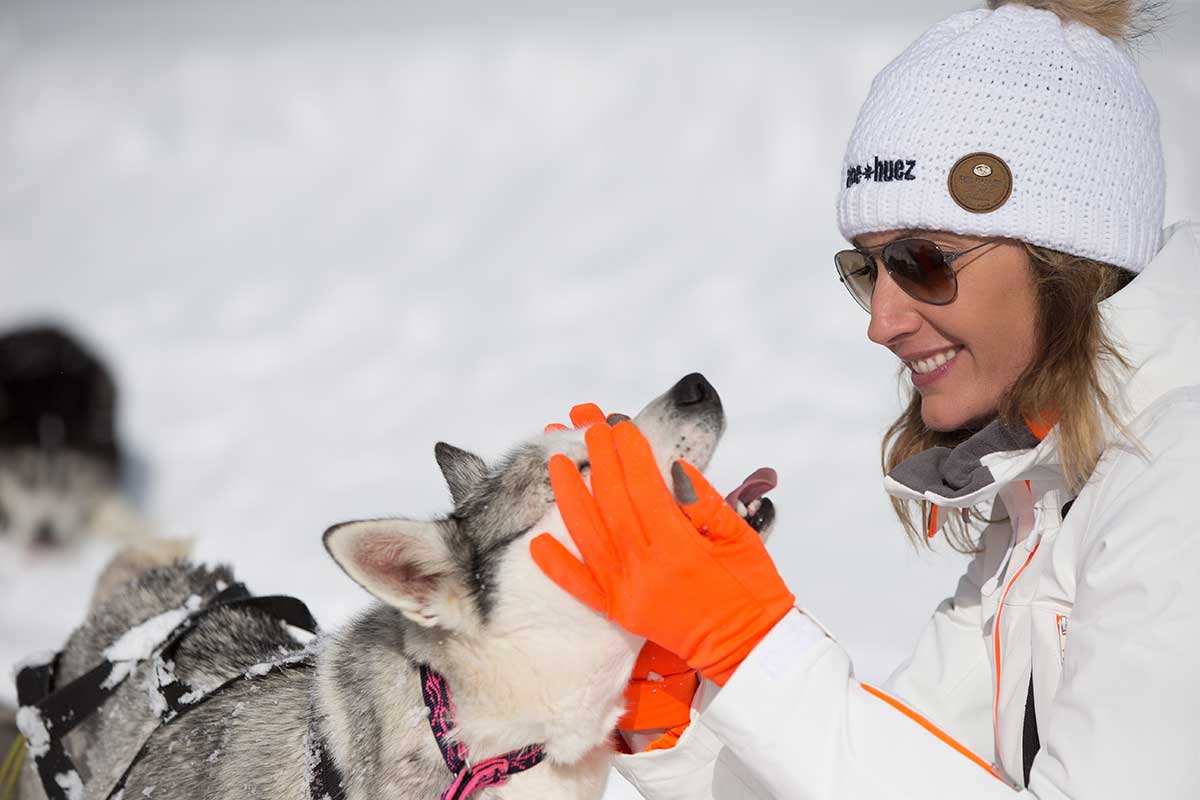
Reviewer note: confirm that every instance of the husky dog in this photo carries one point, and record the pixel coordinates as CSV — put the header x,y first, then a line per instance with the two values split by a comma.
x,y
61,466
525,663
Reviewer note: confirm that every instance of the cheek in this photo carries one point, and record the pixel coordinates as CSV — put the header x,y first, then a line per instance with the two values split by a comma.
x,y
999,323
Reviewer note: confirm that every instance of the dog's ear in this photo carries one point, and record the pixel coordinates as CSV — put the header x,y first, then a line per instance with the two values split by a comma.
x,y
404,563
463,471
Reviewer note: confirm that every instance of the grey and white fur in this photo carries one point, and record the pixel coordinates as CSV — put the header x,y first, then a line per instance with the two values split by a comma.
x,y
526,663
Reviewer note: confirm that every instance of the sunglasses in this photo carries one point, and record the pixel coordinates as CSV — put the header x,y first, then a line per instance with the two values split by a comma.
x,y
918,266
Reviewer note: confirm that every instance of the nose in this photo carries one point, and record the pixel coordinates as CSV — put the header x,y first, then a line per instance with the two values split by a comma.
x,y
694,390
43,534
894,314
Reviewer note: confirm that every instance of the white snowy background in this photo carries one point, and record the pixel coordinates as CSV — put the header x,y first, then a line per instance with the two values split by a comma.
x,y
314,238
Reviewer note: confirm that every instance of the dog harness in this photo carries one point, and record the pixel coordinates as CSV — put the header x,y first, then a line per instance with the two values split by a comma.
x,y
468,778
48,714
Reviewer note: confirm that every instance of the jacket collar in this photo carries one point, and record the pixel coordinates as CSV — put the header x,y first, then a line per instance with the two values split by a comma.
x,y
1154,321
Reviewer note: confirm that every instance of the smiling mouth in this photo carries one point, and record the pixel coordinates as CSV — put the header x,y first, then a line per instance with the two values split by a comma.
x,y
927,365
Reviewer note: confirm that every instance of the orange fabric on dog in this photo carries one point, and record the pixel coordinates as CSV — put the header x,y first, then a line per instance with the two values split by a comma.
x,y
709,598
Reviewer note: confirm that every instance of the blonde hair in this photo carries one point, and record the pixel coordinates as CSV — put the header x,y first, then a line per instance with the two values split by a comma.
x,y
1063,380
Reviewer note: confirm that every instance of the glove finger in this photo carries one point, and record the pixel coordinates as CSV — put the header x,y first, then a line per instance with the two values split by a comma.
x,y
608,485
731,538
649,493
567,571
704,505
555,426
586,414
582,518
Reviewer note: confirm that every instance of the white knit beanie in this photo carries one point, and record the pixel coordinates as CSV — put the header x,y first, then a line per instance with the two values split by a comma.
x,y
1010,122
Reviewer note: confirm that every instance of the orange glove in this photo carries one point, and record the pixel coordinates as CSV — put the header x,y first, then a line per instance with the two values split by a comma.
x,y
709,598
659,694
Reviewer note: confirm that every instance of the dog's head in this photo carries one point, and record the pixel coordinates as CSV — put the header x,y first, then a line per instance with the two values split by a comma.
x,y
469,583
60,464
459,572
470,574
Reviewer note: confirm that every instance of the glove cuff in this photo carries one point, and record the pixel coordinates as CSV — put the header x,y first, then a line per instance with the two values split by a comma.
x,y
659,703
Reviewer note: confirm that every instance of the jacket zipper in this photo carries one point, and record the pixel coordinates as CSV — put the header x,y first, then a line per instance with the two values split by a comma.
x,y
996,647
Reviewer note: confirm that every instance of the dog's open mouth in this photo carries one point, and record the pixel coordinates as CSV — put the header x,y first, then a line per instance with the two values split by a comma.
x,y
748,499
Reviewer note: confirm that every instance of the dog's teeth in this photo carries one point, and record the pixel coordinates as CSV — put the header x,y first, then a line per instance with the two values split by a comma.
x,y
741,509
754,506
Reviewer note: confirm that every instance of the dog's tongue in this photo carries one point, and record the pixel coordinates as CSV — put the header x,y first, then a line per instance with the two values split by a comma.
x,y
758,483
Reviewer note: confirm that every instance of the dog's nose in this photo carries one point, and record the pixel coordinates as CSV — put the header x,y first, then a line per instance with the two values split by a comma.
x,y
693,390
43,535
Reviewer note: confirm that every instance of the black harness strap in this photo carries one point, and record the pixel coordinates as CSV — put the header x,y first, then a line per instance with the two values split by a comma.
x,y
179,695
325,782
49,756
56,712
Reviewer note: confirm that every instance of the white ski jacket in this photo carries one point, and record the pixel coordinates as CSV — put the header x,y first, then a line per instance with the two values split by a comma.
x,y
1095,616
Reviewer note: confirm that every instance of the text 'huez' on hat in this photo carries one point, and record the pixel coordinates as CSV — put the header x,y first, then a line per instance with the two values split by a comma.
x,y
1014,121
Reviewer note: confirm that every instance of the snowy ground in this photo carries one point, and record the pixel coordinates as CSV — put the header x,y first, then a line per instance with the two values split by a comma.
x,y
313,243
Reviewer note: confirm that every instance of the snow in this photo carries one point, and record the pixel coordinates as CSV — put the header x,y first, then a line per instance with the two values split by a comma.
x,y
118,672
70,783
141,640
33,727
313,244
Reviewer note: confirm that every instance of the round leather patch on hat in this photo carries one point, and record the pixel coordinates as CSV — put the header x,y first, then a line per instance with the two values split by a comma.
x,y
980,182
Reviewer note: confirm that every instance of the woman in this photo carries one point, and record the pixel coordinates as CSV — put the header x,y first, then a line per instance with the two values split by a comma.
x,y
1003,193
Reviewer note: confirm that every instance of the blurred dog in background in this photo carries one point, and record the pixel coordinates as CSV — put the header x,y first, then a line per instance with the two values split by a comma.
x,y
60,463
62,467
63,471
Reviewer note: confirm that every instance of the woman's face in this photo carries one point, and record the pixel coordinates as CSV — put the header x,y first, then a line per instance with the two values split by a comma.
x,y
988,331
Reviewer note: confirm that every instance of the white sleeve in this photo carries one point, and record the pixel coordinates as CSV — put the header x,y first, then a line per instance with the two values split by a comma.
x,y
793,723
798,718
700,766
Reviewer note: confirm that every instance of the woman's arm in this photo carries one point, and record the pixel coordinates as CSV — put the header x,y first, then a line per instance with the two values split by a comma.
x,y
1123,723
755,737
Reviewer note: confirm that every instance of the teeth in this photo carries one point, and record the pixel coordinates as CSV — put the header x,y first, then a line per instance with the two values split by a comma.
x,y
741,509
933,362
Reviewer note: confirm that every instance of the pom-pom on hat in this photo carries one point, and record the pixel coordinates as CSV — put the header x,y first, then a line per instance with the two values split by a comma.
x,y
1014,121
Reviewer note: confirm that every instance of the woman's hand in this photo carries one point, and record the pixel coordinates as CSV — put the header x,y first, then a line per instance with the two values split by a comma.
x,y
693,577
660,691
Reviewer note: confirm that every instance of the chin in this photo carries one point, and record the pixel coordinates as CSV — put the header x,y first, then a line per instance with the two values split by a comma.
x,y
946,420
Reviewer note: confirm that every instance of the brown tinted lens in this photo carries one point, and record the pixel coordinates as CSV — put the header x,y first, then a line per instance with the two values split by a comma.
x,y
857,271
919,268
